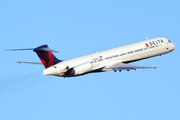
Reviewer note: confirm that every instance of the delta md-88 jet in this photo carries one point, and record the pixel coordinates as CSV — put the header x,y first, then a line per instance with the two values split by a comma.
x,y
111,59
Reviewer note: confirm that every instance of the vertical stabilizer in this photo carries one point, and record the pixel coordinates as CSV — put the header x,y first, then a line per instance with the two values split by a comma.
x,y
46,56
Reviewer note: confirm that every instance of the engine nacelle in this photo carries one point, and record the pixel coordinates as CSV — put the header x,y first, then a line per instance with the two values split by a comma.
x,y
80,69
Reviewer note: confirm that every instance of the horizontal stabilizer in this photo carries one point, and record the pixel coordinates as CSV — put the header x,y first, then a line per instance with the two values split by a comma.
x,y
45,49
45,55
41,48
19,49
36,63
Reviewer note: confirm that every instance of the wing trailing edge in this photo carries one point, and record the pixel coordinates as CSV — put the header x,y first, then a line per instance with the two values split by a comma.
x,y
123,66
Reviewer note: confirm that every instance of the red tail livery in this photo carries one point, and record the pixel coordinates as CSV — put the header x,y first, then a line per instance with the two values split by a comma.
x,y
46,56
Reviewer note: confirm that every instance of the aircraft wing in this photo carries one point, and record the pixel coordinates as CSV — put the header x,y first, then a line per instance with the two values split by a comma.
x,y
123,66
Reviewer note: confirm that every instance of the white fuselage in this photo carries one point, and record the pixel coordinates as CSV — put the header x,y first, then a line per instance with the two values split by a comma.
x,y
123,54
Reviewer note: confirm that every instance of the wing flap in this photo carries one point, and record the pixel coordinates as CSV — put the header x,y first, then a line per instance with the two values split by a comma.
x,y
123,66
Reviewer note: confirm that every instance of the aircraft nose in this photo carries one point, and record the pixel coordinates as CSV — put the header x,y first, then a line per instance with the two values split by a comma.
x,y
173,46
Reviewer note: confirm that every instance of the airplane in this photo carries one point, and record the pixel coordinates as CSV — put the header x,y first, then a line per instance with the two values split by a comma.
x,y
116,59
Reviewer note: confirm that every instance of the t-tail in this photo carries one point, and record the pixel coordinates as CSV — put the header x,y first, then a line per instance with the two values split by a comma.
x,y
45,55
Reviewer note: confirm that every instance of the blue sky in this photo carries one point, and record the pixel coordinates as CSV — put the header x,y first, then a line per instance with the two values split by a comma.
x,y
76,28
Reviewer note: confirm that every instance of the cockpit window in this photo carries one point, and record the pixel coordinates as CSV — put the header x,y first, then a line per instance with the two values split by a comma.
x,y
169,41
